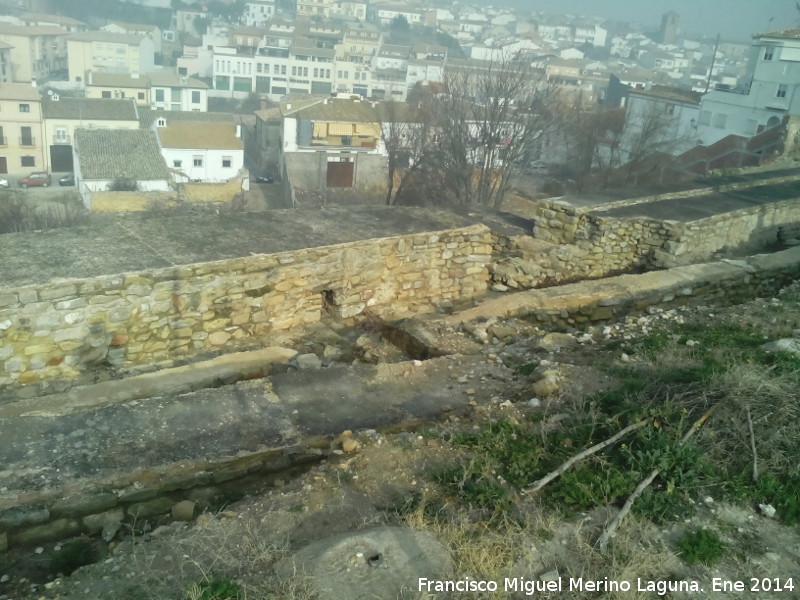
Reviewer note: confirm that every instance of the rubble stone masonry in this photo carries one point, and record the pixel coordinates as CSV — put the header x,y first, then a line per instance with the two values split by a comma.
x,y
62,329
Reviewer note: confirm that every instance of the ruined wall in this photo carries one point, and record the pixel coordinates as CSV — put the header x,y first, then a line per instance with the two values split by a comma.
x,y
591,245
62,329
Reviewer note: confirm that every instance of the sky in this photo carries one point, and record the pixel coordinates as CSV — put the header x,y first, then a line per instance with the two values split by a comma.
x,y
733,19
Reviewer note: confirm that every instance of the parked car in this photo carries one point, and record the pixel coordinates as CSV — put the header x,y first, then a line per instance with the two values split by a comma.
x,y
265,178
4,182
67,179
36,179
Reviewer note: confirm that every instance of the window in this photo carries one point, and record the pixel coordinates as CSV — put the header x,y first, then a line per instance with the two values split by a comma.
x,y
283,69
61,134
705,117
294,70
782,88
197,161
720,120
195,97
177,163
25,136
159,95
25,108
769,53
259,67
227,161
105,94
28,161
140,95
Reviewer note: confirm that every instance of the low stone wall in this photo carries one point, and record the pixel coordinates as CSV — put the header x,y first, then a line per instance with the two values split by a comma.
x,y
754,227
590,245
65,328
591,302
141,496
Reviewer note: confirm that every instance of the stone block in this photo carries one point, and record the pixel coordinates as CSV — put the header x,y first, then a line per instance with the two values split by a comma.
x,y
58,292
185,481
151,508
82,504
183,511
23,516
54,530
98,522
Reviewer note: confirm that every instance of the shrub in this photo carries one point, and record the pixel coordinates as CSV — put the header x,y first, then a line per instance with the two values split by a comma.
x,y
216,588
702,546
123,184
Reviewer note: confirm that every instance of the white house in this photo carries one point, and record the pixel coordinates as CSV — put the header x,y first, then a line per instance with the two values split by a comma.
x,y
101,156
170,91
208,151
257,13
660,118
769,94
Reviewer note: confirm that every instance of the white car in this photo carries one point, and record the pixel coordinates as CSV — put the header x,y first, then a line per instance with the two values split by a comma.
x,y
4,182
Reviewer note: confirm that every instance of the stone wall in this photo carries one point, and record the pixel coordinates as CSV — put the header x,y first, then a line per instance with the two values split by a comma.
x,y
590,245
64,328
591,302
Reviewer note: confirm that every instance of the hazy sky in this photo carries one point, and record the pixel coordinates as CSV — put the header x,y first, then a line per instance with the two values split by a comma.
x,y
734,19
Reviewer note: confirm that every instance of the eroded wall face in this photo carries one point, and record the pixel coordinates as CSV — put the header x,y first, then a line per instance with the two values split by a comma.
x,y
61,330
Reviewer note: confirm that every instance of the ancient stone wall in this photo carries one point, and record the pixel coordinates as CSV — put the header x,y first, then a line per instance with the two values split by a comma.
x,y
63,329
590,245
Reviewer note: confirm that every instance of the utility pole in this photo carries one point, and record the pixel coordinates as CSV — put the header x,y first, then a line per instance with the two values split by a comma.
x,y
713,61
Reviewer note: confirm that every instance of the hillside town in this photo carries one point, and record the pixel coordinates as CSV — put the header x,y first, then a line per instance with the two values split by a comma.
x,y
296,93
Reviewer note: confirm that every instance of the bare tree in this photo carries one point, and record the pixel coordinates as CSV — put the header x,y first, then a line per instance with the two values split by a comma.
x,y
408,135
485,122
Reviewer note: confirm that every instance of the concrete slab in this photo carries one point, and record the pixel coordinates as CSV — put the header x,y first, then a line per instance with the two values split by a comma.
x,y
99,446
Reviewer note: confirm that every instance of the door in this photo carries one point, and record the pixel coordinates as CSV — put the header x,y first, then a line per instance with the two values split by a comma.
x,y
340,174
61,157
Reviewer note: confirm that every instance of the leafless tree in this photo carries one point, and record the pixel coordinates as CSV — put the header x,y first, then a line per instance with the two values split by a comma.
x,y
485,123
407,133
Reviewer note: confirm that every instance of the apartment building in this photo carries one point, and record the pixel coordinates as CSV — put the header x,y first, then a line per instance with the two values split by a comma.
x,y
107,51
34,51
22,144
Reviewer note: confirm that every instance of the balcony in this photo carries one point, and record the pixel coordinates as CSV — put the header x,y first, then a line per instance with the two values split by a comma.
x,y
62,139
27,142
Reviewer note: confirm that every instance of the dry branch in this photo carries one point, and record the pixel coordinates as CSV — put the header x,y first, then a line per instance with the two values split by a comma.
x,y
602,541
539,484
752,444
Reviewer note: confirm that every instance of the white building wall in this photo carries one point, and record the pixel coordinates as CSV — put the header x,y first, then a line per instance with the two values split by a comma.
x,y
211,170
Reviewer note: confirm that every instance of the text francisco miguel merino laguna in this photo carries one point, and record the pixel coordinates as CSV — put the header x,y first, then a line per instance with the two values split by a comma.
x,y
529,587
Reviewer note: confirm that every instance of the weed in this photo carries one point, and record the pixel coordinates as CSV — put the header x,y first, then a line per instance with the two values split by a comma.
x,y
783,494
73,555
590,485
215,588
702,546
473,486
525,369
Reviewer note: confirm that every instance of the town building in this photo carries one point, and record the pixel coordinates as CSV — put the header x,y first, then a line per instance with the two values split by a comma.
x,y
22,144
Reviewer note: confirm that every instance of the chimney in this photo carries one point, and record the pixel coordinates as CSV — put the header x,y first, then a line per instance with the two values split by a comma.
x,y
33,81
89,77
134,75
289,106
262,102
238,130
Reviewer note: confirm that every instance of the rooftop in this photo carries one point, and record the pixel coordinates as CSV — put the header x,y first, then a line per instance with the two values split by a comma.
x,y
125,80
19,91
186,134
90,108
670,93
148,115
112,153
333,109
107,37
789,34
47,18
169,79
27,30
132,244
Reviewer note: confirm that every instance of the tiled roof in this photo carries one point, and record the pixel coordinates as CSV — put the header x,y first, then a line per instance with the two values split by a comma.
x,y
90,108
147,116
168,79
670,93
791,34
124,80
216,136
112,153
350,111
19,91
46,18
8,29
106,37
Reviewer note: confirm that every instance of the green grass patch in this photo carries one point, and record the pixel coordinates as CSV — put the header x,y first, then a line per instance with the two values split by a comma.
x,y
216,588
703,546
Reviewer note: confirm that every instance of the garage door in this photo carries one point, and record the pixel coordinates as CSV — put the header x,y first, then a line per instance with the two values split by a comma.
x,y
61,158
340,174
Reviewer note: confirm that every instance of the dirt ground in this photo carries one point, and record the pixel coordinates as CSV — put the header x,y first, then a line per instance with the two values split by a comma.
x,y
367,478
